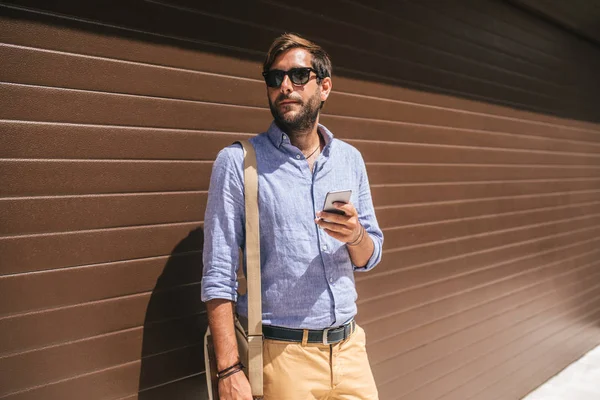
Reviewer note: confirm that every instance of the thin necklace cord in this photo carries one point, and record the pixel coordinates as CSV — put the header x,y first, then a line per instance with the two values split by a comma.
x,y
310,155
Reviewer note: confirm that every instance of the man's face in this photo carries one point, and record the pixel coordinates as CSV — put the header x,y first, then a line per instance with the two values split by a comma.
x,y
295,108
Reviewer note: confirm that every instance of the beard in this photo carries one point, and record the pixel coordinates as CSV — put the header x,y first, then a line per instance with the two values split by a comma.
x,y
301,122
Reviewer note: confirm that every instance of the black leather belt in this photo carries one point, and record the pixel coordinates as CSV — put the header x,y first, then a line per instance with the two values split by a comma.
x,y
326,336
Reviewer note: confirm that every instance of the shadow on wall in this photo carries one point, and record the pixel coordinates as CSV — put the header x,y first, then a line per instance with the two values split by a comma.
x,y
174,328
489,51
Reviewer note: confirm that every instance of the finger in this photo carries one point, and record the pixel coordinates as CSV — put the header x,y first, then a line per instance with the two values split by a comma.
x,y
332,226
347,208
333,217
335,235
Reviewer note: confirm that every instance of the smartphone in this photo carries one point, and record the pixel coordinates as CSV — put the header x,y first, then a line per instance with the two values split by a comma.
x,y
343,196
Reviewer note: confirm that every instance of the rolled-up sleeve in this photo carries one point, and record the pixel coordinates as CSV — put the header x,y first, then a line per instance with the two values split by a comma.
x,y
223,226
366,216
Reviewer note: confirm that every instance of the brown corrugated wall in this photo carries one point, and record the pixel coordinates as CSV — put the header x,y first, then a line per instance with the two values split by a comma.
x,y
479,126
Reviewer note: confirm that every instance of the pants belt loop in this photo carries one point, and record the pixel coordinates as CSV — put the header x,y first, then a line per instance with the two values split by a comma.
x,y
304,337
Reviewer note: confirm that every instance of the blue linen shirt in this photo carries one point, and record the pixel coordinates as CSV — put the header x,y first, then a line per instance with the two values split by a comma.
x,y
307,276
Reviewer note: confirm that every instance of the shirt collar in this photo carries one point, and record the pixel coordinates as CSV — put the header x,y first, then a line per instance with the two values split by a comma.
x,y
278,137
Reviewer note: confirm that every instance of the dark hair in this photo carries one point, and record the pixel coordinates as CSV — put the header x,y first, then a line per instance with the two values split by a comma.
x,y
320,59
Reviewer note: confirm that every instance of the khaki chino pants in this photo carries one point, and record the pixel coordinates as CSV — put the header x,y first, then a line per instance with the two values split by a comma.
x,y
316,371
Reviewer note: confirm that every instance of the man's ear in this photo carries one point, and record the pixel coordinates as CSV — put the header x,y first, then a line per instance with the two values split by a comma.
x,y
326,86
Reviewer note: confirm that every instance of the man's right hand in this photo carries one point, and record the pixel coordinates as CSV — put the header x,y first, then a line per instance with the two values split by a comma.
x,y
235,387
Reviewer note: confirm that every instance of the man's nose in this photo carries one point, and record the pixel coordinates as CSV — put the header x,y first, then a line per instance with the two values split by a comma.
x,y
286,85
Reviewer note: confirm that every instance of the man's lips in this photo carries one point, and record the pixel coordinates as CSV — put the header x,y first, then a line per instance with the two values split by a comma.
x,y
285,102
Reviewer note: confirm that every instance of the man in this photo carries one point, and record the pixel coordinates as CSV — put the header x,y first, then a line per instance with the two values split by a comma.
x,y
308,256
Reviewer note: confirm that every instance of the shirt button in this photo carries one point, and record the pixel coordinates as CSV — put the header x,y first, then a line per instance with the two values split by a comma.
x,y
324,247
297,156
331,280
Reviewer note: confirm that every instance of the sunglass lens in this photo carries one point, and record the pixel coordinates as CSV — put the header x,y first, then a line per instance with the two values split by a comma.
x,y
274,78
299,76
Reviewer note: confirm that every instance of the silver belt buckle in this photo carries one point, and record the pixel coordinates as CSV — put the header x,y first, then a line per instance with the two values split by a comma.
x,y
325,333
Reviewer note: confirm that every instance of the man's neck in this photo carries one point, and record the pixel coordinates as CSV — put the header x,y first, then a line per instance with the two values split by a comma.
x,y
306,141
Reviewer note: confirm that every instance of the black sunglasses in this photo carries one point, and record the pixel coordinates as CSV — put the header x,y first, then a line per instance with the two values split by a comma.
x,y
298,76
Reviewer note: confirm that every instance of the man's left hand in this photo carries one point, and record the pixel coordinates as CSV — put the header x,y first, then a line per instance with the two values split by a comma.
x,y
344,228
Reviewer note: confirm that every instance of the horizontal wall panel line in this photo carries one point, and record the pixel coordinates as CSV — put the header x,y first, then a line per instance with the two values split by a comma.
x,y
477,270
465,75
88,91
454,36
180,325
473,323
387,229
484,234
104,300
190,100
329,43
465,38
578,330
74,306
373,32
15,86
491,32
74,363
446,297
71,378
481,251
548,370
537,138
585,337
521,320
450,325
486,301
134,128
69,342
18,214
68,97
448,92
477,113
13,237
471,183
110,195
495,215
126,29
107,161
506,150
96,247
163,384
375,274
466,201
372,163
487,115
529,31
87,266
195,344
474,359
475,165
466,364
387,207
591,153
124,61
523,272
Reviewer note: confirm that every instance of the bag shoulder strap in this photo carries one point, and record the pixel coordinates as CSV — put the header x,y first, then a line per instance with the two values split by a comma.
x,y
255,335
